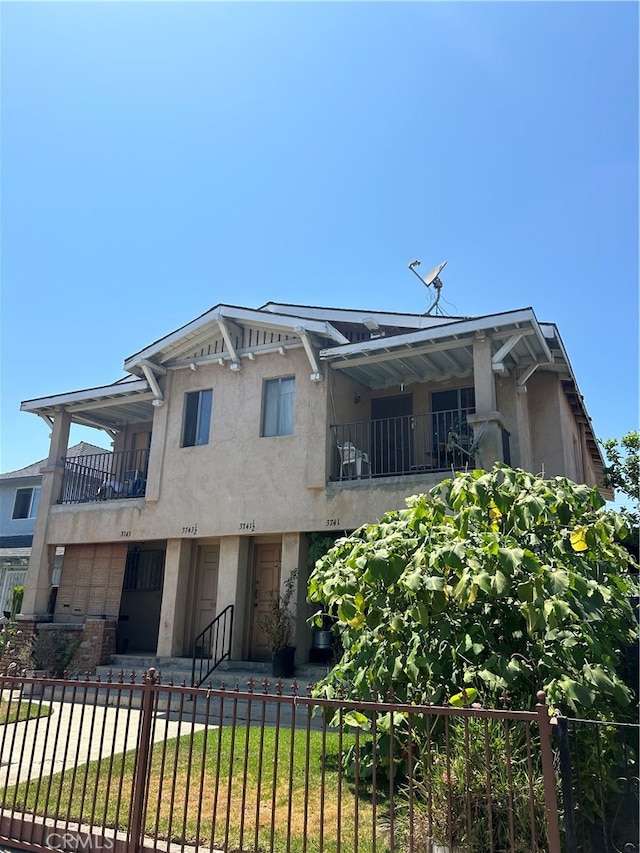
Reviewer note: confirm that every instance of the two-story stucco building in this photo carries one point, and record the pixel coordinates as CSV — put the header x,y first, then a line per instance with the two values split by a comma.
x,y
245,431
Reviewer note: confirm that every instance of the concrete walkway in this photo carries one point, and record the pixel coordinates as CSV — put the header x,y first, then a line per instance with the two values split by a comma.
x,y
73,735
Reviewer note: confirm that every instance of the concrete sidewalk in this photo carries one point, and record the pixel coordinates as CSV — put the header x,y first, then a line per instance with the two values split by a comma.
x,y
73,735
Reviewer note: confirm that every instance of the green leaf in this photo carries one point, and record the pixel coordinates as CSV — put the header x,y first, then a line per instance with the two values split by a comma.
x,y
559,581
525,591
413,580
580,694
500,582
357,720
510,558
465,697
482,580
600,678
346,610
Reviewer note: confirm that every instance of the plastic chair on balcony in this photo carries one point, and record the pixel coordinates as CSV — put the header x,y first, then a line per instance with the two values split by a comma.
x,y
350,455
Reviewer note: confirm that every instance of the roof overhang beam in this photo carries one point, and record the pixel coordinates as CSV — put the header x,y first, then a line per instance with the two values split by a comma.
x,y
316,373
149,370
521,384
498,359
390,354
101,395
227,328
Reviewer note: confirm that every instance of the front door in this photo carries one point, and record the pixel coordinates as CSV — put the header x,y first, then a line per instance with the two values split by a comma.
x,y
266,580
391,433
207,585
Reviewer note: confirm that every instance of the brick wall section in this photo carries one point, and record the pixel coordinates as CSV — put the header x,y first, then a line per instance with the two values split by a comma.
x,y
97,645
91,582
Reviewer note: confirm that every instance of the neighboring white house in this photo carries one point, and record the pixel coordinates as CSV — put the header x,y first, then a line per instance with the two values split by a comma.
x,y
19,500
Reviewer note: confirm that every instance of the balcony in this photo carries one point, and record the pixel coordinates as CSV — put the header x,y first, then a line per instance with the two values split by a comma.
x,y
105,476
411,444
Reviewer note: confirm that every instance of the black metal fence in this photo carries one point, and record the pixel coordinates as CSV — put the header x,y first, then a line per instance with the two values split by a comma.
x,y
403,445
144,766
105,476
598,765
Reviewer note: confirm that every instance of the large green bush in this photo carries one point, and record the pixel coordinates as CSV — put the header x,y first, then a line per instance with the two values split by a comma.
x,y
500,582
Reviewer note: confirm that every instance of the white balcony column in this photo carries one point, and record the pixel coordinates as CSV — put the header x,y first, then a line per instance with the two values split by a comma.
x,y
38,582
487,421
483,378
158,444
173,609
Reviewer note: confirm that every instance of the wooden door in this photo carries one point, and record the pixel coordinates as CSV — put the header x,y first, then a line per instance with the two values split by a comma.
x,y
266,579
391,433
207,585
140,444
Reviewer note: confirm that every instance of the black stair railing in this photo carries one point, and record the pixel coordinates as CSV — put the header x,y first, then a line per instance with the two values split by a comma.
x,y
212,646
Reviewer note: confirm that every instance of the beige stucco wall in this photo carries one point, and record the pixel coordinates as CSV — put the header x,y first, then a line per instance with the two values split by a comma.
x,y
549,428
241,483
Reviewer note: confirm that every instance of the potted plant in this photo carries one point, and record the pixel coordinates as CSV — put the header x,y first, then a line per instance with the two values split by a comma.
x,y
278,626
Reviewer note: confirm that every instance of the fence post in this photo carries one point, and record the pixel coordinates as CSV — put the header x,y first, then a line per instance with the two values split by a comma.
x,y
142,762
551,804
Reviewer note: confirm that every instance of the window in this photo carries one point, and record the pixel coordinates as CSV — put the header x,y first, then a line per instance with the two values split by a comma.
x,y
278,405
26,503
460,399
197,417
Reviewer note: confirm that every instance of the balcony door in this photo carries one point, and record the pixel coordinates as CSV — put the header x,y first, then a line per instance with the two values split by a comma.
x,y
391,434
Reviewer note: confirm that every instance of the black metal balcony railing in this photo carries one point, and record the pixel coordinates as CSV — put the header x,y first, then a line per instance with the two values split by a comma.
x,y
404,445
105,476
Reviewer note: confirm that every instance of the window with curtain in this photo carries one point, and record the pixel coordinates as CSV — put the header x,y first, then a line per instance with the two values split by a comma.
x,y
197,418
278,404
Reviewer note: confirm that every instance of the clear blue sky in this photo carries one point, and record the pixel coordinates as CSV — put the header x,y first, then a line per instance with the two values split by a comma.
x,y
160,158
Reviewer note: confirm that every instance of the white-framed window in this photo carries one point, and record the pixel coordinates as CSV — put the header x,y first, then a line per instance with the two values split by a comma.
x,y
26,502
278,404
197,417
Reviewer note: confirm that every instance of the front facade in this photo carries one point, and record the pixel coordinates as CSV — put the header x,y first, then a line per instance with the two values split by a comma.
x,y
238,436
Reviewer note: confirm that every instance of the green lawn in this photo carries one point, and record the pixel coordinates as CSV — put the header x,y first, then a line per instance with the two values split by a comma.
x,y
16,712
317,804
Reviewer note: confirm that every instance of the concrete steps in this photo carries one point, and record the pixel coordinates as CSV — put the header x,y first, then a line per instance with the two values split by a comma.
x,y
231,675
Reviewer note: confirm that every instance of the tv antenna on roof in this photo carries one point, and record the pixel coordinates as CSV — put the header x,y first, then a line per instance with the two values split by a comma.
x,y
431,279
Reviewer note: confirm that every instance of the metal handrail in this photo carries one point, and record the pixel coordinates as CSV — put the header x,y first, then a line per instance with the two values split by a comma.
x,y
105,476
407,444
212,645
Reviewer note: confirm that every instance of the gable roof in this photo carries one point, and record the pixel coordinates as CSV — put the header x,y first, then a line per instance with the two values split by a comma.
x,y
83,448
379,349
